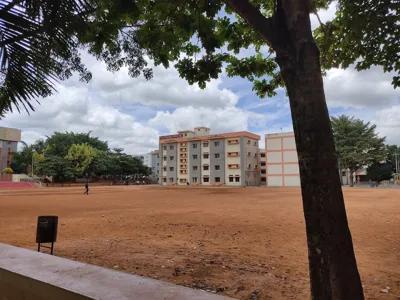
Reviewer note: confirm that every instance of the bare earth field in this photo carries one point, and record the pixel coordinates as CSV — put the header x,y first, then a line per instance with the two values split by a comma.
x,y
247,243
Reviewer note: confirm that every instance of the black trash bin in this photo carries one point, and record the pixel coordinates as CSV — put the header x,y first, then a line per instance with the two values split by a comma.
x,y
46,232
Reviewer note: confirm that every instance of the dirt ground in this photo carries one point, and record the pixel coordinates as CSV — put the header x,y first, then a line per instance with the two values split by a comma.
x,y
247,243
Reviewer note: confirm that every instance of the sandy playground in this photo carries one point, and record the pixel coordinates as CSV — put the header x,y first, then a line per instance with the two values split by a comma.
x,y
247,243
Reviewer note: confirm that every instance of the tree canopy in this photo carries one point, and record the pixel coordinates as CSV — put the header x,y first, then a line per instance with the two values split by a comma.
x,y
392,151
200,37
60,143
64,156
357,143
379,172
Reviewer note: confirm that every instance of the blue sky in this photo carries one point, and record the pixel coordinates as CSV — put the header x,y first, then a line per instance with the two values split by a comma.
x,y
132,113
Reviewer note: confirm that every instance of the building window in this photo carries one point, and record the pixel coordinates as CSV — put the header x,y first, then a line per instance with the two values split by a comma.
x,y
217,167
263,172
158,156
230,179
171,168
237,179
171,147
205,145
171,179
165,148
248,153
235,166
164,158
248,142
205,168
206,179
216,144
233,154
182,180
194,168
194,146
165,169
255,143
249,166
263,179
217,179
343,173
262,154
263,164
194,179
158,164
171,158
164,180
205,156
194,156
255,166
216,155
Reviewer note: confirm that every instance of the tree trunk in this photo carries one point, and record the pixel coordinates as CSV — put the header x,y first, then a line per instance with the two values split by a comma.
x,y
333,268
351,179
332,263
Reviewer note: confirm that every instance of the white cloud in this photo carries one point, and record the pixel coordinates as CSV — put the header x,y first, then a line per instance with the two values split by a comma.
x,y
165,88
219,120
73,110
365,89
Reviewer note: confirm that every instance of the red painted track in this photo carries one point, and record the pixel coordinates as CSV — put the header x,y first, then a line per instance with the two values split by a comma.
x,y
16,185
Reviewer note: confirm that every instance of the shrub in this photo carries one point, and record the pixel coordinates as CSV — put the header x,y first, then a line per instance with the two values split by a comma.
x,y
8,171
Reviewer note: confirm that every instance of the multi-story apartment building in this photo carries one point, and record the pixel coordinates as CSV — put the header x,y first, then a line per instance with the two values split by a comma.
x,y
196,157
9,138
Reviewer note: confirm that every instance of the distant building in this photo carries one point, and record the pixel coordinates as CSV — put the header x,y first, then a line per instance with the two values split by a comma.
x,y
263,167
282,166
9,138
152,160
196,157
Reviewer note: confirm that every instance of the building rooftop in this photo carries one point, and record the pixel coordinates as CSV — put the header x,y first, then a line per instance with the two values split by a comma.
x,y
179,138
10,134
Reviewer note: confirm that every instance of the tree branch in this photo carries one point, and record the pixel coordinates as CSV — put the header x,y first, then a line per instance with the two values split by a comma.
x,y
320,23
262,25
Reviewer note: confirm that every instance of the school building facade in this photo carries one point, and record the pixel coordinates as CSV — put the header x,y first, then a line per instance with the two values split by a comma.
x,y
196,157
282,165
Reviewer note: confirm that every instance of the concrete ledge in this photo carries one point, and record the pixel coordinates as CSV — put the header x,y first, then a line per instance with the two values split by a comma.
x,y
26,274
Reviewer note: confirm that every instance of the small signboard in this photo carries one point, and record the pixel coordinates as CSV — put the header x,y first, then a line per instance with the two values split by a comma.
x,y
46,232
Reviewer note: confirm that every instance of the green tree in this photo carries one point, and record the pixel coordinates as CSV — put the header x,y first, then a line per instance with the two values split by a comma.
x,y
60,143
21,160
393,157
7,171
357,143
59,168
379,172
81,157
363,33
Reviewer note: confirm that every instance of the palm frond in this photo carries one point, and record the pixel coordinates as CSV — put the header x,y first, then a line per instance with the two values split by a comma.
x,y
38,47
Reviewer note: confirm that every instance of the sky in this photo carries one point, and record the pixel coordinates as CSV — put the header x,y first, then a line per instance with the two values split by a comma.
x,y
131,113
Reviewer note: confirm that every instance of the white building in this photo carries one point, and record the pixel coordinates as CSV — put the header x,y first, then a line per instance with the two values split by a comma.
x,y
282,166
